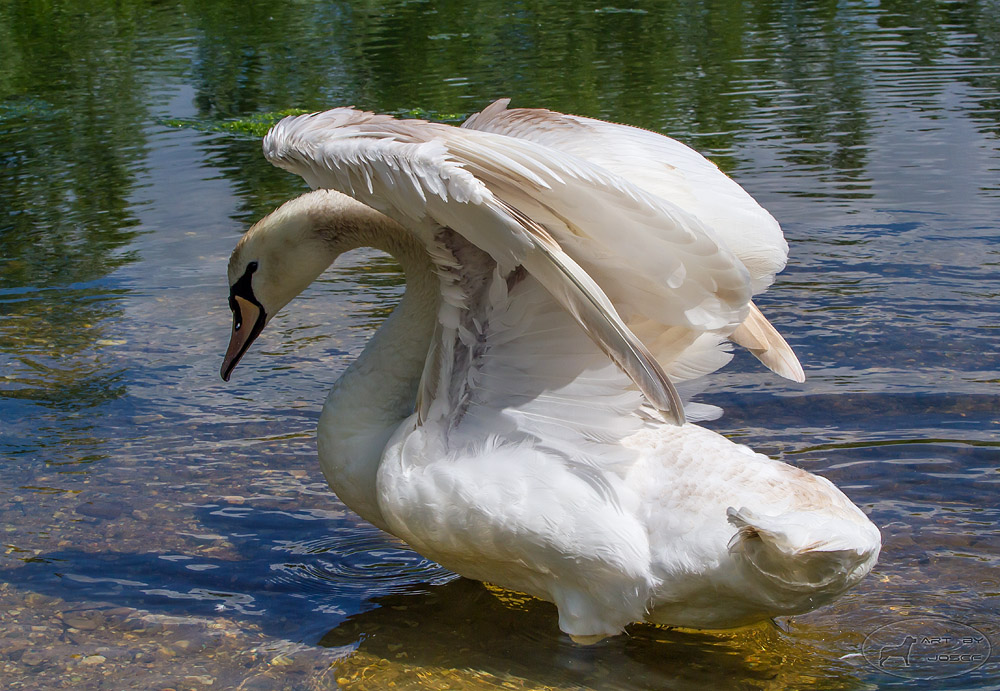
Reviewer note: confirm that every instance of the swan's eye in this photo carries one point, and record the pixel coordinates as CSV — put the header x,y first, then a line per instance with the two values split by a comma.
x,y
237,317
244,287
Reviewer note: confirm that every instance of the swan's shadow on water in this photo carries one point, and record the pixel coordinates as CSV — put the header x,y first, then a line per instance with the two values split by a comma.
x,y
350,587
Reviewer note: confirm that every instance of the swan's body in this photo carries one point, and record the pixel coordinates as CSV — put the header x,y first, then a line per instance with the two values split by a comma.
x,y
515,419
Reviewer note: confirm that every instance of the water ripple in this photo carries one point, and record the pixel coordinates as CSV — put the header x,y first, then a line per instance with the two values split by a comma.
x,y
353,563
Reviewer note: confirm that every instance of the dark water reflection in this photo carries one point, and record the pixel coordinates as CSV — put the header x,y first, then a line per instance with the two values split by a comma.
x,y
133,478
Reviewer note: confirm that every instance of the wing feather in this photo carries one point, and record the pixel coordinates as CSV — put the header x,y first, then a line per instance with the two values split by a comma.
x,y
675,172
759,336
661,165
586,302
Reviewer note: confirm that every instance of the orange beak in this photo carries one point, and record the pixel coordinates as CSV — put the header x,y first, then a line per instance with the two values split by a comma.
x,y
248,322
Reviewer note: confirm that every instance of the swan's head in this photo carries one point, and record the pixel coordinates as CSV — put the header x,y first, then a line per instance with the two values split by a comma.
x,y
279,257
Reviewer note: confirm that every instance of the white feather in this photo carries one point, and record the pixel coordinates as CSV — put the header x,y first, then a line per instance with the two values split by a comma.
x,y
672,171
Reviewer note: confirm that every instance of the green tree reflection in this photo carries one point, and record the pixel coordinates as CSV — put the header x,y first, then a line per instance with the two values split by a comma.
x,y
805,80
72,108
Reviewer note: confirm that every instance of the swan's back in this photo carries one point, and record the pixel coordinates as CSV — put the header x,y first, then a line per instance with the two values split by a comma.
x,y
740,536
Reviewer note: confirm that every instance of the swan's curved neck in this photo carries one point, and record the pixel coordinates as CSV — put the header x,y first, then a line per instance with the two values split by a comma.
x,y
378,390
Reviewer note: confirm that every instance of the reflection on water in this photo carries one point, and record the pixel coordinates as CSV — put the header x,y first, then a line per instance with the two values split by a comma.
x,y
517,640
164,522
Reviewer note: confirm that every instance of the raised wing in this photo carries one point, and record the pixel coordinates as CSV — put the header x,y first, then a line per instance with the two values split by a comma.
x,y
660,165
675,172
405,170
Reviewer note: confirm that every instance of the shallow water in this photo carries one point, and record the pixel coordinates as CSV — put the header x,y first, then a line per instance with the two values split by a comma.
x,y
163,529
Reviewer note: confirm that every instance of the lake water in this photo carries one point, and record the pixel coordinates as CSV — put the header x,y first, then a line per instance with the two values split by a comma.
x,y
162,529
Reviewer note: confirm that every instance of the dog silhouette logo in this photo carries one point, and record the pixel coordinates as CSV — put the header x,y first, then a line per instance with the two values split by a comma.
x,y
902,651
926,648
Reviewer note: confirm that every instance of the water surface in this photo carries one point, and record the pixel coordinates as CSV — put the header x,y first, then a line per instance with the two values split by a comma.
x,y
163,529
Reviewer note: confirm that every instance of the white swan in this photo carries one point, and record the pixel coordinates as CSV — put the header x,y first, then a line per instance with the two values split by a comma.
x,y
515,419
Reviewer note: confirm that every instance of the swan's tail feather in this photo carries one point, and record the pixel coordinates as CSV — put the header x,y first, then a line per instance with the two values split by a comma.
x,y
798,552
759,336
